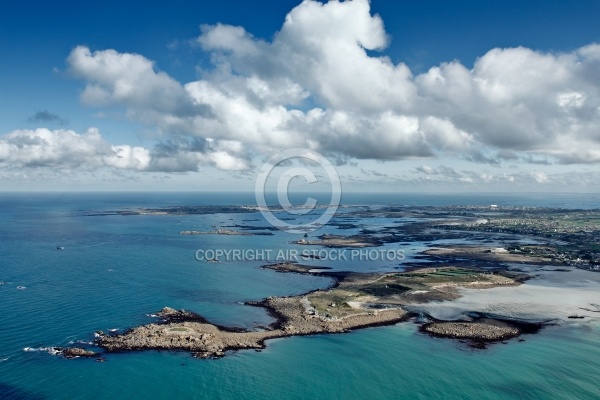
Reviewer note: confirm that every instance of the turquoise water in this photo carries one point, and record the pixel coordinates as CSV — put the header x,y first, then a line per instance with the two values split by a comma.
x,y
116,269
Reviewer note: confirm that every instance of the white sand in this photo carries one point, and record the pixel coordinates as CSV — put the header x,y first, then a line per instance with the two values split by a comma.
x,y
550,295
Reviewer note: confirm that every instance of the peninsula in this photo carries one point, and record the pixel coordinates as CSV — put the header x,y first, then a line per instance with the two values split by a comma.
x,y
354,301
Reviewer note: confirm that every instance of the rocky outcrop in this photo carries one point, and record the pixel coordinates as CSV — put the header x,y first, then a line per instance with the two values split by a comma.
x,y
75,352
187,331
483,330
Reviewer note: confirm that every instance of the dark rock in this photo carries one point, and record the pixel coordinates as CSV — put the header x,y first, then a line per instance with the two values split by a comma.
x,y
74,352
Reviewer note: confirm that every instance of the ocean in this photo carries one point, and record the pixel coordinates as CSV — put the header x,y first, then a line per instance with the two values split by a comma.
x,y
115,270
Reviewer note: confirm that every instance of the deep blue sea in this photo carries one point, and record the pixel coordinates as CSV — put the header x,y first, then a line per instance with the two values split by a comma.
x,y
114,270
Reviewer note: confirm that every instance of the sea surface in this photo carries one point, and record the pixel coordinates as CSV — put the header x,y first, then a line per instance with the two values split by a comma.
x,y
116,270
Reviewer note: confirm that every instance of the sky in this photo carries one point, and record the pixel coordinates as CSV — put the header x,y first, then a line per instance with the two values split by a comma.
x,y
436,96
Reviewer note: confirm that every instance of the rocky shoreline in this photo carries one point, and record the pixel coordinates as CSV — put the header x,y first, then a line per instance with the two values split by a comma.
x,y
76,352
496,237
339,241
481,331
353,301
187,331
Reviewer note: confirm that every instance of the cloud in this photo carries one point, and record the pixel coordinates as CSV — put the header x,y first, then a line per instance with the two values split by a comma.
x,y
130,80
185,155
442,171
318,84
445,175
522,100
372,172
68,150
45,116
426,169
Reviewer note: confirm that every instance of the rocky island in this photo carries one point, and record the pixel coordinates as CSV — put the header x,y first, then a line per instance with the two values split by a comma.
x,y
332,241
354,301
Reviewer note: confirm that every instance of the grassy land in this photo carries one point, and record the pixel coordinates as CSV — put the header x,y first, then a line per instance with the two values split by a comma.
x,y
399,288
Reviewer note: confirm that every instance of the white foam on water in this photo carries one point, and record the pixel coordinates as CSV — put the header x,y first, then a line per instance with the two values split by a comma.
x,y
50,350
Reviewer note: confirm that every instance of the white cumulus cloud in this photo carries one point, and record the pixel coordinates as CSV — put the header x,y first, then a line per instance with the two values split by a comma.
x,y
67,150
317,84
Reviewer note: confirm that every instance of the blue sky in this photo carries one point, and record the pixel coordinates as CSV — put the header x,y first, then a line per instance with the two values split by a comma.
x,y
204,107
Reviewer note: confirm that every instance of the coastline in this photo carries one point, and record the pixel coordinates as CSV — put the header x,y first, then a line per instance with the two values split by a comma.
x,y
380,303
205,340
439,276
